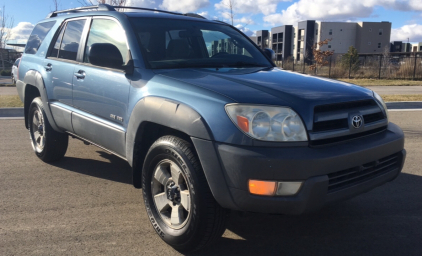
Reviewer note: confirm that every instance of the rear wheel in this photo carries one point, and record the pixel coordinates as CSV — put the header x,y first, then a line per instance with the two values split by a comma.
x,y
48,144
177,198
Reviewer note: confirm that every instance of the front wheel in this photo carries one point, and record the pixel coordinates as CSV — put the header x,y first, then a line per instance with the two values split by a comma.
x,y
177,198
48,144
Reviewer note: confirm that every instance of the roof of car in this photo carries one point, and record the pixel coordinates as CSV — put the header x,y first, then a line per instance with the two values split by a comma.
x,y
129,11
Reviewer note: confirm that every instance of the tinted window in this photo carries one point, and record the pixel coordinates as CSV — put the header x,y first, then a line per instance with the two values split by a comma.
x,y
104,31
55,51
71,39
17,62
167,43
37,36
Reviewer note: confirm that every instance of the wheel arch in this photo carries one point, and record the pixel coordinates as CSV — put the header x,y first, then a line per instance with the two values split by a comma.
x,y
153,117
34,87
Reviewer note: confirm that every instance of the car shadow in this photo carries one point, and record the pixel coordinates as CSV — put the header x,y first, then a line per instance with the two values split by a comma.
x,y
116,169
385,221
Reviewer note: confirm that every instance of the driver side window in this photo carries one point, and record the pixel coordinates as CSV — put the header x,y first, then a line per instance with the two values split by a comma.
x,y
110,36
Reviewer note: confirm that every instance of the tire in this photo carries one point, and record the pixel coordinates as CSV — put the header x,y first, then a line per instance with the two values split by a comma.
x,y
201,220
48,144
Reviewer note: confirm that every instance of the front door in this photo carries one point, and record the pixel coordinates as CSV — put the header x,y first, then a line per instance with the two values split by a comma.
x,y
102,92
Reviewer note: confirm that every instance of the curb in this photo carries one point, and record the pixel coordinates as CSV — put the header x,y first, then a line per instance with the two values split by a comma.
x,y
404,105
11,112
18,112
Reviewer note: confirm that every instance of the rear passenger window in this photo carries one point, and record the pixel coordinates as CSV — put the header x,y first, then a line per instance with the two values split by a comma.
x,y
105,31
37,36
55,51
71,40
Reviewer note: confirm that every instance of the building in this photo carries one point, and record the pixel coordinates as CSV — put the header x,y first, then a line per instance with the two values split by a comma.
x,y
261,39
282,40
299,41
373,37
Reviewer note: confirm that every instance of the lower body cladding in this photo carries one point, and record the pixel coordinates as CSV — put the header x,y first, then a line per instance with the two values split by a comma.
x,y
327,173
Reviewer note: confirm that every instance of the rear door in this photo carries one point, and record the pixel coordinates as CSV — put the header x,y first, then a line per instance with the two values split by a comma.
x,y
102,92
61,60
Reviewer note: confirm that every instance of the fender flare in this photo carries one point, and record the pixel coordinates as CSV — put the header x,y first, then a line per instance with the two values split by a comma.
x,y
34,78
168,113
183,118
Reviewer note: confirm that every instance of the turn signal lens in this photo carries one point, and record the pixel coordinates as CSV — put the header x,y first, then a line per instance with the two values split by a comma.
x,y
243,123
263,188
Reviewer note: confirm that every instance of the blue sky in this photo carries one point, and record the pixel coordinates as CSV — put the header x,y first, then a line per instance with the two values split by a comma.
x,y
252,15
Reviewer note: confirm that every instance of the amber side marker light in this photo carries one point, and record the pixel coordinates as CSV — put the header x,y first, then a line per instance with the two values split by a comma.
x,y
262,188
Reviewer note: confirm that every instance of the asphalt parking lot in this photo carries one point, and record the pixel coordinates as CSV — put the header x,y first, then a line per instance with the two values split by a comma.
x,y
85,204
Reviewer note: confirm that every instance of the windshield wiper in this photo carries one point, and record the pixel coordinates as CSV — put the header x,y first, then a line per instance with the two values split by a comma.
x,y
243,64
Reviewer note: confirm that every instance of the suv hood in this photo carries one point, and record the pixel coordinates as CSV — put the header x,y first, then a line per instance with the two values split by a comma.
x,y
272,86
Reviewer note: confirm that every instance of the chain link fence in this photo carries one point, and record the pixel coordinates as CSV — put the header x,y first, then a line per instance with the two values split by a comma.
x,y
373,67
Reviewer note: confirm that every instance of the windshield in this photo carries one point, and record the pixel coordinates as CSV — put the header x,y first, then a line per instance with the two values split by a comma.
x,y
172,43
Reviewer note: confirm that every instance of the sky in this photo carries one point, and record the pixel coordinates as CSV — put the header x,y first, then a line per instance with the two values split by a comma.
x,y
251,15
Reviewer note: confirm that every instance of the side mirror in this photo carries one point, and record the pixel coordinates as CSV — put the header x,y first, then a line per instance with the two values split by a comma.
x,y
105,55
270,53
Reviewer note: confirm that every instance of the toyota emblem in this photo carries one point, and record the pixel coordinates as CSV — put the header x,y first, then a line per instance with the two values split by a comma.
x,y
357,121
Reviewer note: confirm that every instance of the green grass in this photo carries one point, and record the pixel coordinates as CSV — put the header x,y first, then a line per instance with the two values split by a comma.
x,y
382,82
10,101
412,97
7,85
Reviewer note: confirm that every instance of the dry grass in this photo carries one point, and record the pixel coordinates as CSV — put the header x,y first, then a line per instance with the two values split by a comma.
x,y
10,101
7,85
382,82
412,97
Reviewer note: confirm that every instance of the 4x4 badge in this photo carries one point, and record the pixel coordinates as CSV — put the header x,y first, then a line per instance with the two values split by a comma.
x,y
357,121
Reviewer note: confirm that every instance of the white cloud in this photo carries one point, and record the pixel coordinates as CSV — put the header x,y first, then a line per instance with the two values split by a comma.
x,y
245,20
184,6
413,32
336,10
250,6
204,14
245,30
143,3
21,31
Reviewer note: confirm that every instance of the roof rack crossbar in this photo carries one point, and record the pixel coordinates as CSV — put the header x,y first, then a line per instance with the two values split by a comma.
x,y
145,9
100,7
106,7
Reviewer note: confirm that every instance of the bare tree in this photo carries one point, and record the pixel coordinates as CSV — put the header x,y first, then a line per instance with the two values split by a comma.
x,y
230,4
6,24
56,5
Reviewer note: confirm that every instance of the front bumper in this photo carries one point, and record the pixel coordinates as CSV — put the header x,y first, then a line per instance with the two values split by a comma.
x,y
309,164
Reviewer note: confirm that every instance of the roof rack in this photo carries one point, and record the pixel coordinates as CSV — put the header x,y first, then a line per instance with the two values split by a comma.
x,y
106,7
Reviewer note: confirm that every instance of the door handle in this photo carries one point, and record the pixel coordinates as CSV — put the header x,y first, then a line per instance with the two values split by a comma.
x,y
80,74
49,67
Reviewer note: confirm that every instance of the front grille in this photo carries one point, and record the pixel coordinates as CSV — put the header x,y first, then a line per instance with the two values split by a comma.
x,y
353,176
333,140
332,123
335,116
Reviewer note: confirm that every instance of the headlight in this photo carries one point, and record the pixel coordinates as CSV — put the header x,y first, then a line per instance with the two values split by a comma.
x,y
381,101
267,123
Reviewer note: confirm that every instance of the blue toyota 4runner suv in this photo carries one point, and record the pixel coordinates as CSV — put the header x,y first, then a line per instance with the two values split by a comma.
x,y
203,116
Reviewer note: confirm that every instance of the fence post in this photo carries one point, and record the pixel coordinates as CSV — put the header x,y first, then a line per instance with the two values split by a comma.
x,y
379,73
414,69
350,66
293,65
329,69
304,63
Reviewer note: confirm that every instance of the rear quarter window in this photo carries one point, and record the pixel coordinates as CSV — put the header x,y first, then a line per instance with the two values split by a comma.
x,y
37,36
